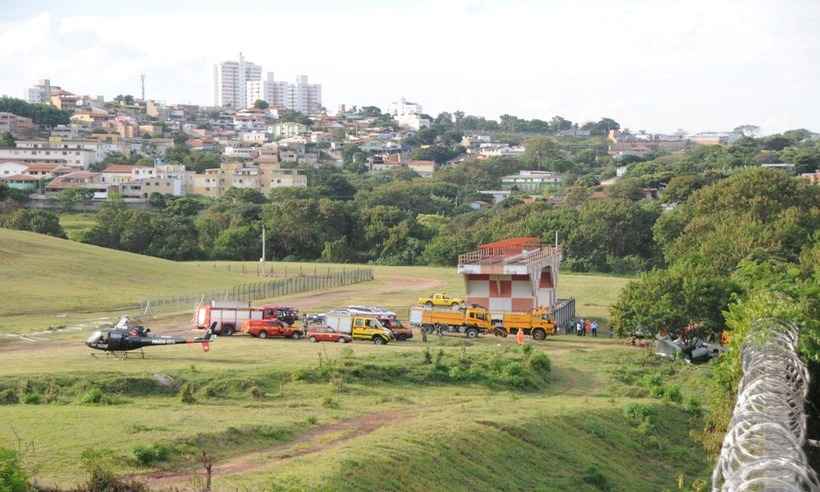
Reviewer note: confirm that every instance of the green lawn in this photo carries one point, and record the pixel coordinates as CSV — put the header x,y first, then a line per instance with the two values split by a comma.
x,y
76,223
364,433
290,415
47,281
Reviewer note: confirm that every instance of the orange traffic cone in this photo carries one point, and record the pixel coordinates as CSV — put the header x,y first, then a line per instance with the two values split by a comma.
x,y
519,337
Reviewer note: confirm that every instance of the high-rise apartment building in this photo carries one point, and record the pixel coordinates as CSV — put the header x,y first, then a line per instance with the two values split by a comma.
x,y
231,82
302,96
41,93
254,92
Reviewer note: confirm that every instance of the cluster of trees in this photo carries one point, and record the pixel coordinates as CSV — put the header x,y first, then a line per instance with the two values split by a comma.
x,y
41,114
756,219
194,160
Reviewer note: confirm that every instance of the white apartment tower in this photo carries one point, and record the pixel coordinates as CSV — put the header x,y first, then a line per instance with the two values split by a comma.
x,y
302,96
231,82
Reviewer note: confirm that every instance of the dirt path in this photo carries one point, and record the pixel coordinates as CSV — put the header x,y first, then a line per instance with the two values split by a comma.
x,y
316,440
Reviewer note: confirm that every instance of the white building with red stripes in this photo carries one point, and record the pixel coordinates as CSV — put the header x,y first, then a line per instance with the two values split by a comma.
x,y
517,274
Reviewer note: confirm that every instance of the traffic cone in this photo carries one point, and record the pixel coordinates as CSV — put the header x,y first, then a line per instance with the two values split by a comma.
x,y
519,337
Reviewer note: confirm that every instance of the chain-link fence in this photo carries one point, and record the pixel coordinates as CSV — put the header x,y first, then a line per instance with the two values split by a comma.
x,y
254,291
763,448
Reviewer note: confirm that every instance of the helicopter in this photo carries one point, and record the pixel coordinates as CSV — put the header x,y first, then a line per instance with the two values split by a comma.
x,y
119,341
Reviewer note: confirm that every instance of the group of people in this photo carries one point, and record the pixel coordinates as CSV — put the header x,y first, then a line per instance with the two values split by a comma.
x,y
584,327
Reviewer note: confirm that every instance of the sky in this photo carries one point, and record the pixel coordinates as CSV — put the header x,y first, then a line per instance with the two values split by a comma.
x,y
656,65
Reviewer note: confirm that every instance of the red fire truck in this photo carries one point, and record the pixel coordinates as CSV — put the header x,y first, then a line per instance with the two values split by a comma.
x,y
226,317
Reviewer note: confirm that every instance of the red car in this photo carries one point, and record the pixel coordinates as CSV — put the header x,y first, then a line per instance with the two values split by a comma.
x,y
328,335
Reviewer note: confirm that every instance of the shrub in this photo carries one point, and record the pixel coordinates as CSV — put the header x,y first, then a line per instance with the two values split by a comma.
x,y
8,397
540,363
593,476
12,476
312,420
657,391
637,412
32,399
187,394
95,396
149,455
428,357
693,407
329,402
673,393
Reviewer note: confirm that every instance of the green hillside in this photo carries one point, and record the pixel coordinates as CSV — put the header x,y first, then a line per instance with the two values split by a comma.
x,y
43,278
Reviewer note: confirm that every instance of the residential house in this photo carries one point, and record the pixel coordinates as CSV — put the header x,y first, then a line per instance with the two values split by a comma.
x,y
813,178
22,182
425,169
287,129
40,152
715,138
79,179
18,126
12,169
531,181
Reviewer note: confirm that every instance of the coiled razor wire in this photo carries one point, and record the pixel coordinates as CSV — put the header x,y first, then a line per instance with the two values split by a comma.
x,y
763,448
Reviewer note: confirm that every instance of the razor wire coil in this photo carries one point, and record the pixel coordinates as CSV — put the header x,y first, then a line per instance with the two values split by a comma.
x,y
763,447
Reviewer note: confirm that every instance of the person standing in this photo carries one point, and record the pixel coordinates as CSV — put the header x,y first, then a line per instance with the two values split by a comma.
x,y
587,327
594,328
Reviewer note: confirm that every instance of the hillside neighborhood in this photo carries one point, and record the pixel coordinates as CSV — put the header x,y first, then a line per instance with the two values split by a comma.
x,y
266,134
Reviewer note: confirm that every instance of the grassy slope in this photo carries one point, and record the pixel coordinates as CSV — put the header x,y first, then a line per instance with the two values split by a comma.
x,y
42,277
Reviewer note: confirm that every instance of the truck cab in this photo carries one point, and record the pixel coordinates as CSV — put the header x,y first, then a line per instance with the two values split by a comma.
x,y
285,314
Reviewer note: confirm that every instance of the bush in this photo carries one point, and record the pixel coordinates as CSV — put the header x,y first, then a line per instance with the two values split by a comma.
x,y
637,412
593,476
187,394
149,455
541,364
96,396
8,397
673,393
32,399
329,402
12,476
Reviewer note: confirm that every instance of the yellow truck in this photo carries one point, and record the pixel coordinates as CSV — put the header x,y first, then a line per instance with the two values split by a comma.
x,y
535,323
475,320
470,321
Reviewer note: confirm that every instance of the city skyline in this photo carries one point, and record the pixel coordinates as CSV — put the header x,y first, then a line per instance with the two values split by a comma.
x,y
697,66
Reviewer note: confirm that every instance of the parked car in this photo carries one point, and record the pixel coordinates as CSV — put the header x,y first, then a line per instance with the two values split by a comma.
x,y
441,299
269,328
325,334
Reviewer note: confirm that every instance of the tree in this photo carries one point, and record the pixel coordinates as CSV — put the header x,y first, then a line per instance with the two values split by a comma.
x,y
752,131
261,104
7,140
543,153
41,114
157,200
70,198
34,220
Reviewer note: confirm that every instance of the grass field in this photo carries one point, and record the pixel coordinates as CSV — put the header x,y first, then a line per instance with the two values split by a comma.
x,y
290,415
75,224
48,282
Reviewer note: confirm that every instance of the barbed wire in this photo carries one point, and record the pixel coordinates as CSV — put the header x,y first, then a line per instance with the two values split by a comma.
x,y
763,447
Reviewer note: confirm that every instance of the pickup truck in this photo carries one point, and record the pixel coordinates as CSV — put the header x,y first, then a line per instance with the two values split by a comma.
x,y
268,328
440,299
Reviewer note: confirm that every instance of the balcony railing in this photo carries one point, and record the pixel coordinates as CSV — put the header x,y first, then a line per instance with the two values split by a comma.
x,y
499,255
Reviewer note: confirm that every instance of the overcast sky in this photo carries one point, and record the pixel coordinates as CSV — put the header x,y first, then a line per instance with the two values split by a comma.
x,y
656,65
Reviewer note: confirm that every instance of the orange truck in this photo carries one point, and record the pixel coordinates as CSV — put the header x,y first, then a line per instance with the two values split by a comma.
x,y
535,323
475,320
471,321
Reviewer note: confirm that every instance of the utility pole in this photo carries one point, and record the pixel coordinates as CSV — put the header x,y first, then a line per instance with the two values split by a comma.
x,y
142,85
262,260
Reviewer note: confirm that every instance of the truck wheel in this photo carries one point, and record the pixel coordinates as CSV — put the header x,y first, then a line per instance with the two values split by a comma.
x,y
342,340
297,335
263,334
378,340
312,340
226,331
454,306
539,334
472,333
429,304
500,332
